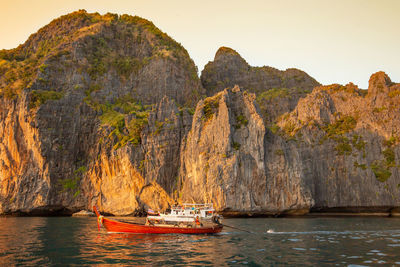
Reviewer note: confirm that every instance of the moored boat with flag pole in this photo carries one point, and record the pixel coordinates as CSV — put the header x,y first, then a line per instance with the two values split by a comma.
x,y
185,219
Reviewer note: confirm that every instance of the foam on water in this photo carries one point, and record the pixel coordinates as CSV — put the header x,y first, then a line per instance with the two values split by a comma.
x,y
333,232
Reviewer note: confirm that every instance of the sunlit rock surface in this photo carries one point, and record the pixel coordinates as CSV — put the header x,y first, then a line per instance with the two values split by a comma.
x,y
107,110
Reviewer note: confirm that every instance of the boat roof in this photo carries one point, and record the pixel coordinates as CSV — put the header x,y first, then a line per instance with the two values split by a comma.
x,y
194,206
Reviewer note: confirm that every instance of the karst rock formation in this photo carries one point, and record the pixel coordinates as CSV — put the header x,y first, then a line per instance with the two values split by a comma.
x,y
108,110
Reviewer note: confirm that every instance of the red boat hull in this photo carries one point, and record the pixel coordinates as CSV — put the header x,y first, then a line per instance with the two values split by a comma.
x,y
125,227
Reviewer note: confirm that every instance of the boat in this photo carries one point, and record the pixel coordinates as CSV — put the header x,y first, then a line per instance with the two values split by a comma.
x,y
161,227
185,214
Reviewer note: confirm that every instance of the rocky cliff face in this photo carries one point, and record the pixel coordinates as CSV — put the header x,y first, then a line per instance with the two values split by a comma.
x,y
338,150
99,110
277,91
225,160
349,143
229,69
89,115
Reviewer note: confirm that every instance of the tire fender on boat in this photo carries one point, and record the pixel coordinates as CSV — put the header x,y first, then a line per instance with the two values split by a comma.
x,y
100,220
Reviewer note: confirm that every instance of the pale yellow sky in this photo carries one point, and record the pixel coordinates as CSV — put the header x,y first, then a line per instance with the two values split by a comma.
x,y
334,41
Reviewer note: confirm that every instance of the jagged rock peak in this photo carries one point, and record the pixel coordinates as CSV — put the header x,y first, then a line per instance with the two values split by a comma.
x,y
224,51
229,58
229,68
227,136
379,83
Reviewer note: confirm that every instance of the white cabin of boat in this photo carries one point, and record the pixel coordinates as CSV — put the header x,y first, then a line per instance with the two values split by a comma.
x,y
186,213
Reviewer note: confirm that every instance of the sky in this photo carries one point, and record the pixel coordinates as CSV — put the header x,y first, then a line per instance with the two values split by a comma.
x,y
337,41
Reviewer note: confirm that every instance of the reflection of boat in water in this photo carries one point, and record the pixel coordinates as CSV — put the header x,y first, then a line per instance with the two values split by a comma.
x,y
196,225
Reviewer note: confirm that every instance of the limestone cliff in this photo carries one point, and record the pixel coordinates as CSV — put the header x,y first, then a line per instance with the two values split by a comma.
x,y
225,160
338,150
99,110
348,140
229,69
277,91
89,115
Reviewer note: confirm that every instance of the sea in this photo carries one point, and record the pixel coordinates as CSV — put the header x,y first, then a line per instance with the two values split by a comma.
x,y
72,241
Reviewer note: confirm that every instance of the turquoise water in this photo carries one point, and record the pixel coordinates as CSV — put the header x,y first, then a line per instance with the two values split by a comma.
x,y
274,241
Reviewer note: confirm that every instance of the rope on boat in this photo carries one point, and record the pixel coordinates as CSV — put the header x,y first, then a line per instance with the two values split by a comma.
x,y
237,228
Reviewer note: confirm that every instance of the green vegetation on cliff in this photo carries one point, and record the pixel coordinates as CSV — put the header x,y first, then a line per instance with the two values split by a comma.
x,y
39,97
382,173
337,131
240,121
341,126
272,94
381,168
127,118
72,184
211,105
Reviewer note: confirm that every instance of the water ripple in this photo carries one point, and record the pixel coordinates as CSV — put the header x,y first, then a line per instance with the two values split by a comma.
x,y
289,241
